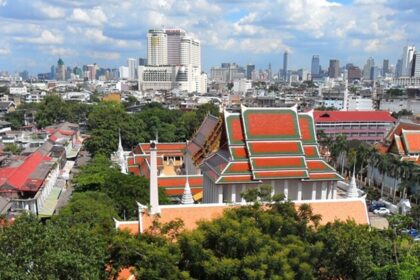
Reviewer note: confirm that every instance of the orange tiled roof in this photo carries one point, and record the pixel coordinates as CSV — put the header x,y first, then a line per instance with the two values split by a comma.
x,y
276,142
344,209
411,140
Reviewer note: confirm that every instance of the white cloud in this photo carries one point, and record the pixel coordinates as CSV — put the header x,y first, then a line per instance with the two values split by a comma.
x,y
51,11
3,3
5,49
95,16
62,52
104,55
46,38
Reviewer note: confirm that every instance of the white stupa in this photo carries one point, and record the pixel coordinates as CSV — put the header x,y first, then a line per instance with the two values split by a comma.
x,y
187,196
353,191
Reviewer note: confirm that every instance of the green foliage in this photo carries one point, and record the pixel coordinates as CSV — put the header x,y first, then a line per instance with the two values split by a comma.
x,y
395,92
12,148
403,112
351,251
31,250
15,119
124,190
54,110
92,209
153,120
104,122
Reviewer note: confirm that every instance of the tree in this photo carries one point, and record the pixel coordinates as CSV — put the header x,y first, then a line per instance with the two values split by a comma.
x,y
123,189
12,148
105,120
56,250
351,251
96,210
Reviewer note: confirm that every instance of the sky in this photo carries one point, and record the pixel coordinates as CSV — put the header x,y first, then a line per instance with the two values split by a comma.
x,y
35,33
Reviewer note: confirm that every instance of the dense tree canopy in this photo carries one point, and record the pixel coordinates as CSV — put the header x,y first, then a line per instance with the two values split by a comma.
x,y
250,242
124,190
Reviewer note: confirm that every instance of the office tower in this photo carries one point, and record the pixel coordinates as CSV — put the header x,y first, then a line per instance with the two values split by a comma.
x,y
174,37
334,69
60,71
78,72
416,65
270,72
367,69
398,68
68,73
132,68
123,72
285,61
385,67
157,47
407,60
52,72
91,72
315,66
173,61
249,69
190,52
354,73
142,61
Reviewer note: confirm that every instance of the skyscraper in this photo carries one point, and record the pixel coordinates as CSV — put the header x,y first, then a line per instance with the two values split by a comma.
x,y
315,66
61,70
249,69
398,68
91,72
407,60
174,37
416,65
157,47
334,68
385,67
142,61
367,69
285,61
132,68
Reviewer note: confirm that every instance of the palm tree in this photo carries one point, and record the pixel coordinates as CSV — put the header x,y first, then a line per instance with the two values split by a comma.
x,y
383,165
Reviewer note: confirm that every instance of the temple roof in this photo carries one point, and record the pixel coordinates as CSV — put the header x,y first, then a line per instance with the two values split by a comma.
x,y
267,143
353,209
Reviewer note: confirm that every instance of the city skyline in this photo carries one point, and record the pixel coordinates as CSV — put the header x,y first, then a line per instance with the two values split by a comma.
x,y
108,32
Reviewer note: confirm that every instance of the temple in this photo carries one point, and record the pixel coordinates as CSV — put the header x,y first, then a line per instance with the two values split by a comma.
x,y
171,172
237,152
274,146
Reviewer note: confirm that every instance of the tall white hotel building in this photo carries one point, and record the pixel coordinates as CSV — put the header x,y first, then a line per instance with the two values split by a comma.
x,y
174,61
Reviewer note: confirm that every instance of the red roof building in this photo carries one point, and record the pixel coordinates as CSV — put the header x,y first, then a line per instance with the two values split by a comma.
x,y
275,146
170,163
368,126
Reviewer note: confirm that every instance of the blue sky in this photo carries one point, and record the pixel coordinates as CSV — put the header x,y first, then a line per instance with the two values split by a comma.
x,y
34,34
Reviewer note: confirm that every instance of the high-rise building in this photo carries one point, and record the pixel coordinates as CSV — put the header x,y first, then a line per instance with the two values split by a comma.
x,y
416,65
132,68
385,67
249,69
407,60
174,37
334,69
315,66
157,47
285,61
367,69
60,74
91,72
52,72
142,61
398,68
189,52
353,73
173,61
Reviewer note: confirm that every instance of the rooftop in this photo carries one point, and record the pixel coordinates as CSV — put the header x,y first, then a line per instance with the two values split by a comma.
x,y
353,116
